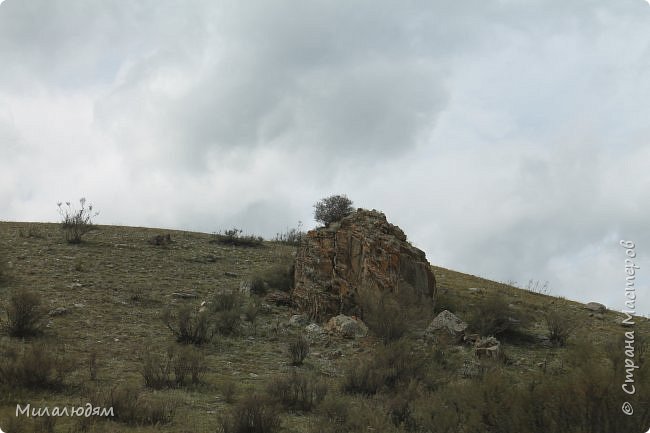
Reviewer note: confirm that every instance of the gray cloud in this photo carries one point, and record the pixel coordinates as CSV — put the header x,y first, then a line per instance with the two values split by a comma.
x,y
508,139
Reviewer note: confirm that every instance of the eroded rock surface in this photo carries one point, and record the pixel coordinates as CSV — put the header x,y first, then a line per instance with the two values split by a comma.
x,y
362,252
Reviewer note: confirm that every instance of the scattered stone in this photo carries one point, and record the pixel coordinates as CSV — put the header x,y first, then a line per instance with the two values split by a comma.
x,y
362,252
448,321
185,295
58,311
346,326
79,305
475,290
298,320
231,274
75,285
596,307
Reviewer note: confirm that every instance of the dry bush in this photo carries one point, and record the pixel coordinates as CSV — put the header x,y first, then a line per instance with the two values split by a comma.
x,y
132,406
178,367
384,315
25,314
494,317
278,277
560,327
293,236
253,414
229,390
298,350
34,366
190,326
76,222
297,391
235,237
391,366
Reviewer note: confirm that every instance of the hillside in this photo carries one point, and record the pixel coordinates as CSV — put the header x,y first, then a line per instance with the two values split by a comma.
x,y
112,289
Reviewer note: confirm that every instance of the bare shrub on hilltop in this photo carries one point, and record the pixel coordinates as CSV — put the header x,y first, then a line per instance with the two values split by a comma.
x,y
76,222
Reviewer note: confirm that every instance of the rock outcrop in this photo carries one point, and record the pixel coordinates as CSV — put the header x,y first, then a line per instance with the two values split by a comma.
x,y
362,252
449,322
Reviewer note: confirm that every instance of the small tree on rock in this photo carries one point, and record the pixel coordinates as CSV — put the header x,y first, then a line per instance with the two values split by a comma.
x,y
332,209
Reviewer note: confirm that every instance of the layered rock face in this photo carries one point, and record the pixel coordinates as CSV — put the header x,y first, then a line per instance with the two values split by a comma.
x,y
362,252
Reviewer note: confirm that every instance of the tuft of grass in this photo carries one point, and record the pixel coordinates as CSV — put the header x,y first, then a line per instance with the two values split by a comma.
x,y
297,391
189,326
177,368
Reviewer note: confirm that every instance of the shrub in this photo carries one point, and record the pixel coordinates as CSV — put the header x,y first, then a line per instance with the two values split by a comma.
x,y
76,222
560,327
133,407
332,209
235,237
190,327
24,314
391,366
253,414
228,322
36,366
225,302
494,317
229,389
297,391
278,276
291,236
174,369
298,350
383,314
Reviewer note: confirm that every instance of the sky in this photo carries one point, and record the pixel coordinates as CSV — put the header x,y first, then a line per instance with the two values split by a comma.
x,y
508,139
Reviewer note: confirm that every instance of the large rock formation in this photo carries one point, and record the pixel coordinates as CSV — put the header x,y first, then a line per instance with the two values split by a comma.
x,y
362,252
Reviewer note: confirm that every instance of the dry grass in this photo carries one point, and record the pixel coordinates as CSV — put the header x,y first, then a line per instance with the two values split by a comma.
x,y
115,285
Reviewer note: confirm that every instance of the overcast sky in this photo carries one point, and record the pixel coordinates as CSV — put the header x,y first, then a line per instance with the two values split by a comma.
x,y
508,138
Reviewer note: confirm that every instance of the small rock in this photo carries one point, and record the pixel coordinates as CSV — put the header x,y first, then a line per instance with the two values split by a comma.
x,y
231,274
185,295
58,311
596,307
475,290
298,320
79,305
347,326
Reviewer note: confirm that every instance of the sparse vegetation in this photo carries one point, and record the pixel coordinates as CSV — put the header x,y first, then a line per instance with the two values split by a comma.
x,y
178,367
560,327
297,391
25,314
34,366
278,277
235,237
298,350
189,326
114,288
76,222
332,209
253,414
493,316
384,315
291,236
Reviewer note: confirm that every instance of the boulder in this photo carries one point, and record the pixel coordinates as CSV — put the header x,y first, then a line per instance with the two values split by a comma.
x,y
362,252
298,320
488,347
596,307
346,326
448,321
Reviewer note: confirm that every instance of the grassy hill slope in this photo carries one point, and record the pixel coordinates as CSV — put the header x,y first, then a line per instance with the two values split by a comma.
x,y
113,288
